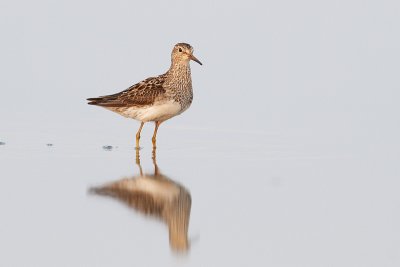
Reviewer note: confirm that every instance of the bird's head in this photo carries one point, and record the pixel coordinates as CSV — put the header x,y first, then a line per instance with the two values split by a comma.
x,y
183,53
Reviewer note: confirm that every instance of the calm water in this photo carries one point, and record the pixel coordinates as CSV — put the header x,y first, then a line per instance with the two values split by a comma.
x,y
256,198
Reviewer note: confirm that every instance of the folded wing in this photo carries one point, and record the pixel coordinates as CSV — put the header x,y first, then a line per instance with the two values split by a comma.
x,y
140,94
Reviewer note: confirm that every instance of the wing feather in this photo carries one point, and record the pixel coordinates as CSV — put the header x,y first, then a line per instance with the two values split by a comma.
x,y
140,94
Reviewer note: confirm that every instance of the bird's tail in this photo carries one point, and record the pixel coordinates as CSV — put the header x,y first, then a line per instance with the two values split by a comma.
x,y
95,100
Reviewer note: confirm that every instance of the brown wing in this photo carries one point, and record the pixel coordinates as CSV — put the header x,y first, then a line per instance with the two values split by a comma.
x,y
140,94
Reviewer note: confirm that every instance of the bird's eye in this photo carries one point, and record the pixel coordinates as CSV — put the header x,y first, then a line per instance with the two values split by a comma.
x,y
180,49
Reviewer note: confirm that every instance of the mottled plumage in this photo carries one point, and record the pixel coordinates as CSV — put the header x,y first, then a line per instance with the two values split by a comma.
x,y
140,94
157,98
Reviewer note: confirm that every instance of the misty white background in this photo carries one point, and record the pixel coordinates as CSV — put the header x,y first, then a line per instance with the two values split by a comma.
x,y
295,89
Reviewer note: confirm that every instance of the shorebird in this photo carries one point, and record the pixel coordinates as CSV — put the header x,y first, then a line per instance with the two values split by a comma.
x,y
156,98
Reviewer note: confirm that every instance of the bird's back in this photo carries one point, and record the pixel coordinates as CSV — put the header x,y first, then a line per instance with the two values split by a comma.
x,y
143,93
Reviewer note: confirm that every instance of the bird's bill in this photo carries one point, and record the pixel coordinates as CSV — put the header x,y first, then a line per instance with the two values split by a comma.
x,y
195,59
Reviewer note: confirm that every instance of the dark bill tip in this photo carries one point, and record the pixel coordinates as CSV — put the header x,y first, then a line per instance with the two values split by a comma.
x,y
195,59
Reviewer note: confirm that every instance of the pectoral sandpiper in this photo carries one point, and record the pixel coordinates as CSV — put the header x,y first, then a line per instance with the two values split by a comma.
x,y
157,98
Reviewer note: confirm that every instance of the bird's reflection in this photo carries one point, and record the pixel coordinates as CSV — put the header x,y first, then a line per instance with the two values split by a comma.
x,y
157,196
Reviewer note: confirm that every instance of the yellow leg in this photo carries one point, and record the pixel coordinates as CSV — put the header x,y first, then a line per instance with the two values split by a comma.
x,y
138,162
154,155
154,139
138,135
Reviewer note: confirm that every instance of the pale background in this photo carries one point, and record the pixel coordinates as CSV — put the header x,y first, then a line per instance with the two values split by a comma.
x,y
290,149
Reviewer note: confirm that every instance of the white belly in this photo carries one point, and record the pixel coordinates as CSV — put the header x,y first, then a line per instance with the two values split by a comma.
x,y
157,112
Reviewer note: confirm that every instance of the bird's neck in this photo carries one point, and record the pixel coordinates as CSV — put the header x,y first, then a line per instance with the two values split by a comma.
x,y
179,81
180,70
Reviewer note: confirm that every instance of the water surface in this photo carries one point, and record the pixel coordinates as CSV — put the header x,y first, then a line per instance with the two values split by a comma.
x,y
256,198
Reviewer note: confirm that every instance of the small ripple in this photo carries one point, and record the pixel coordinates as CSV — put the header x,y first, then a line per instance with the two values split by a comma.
x,y
108,148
